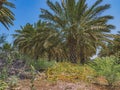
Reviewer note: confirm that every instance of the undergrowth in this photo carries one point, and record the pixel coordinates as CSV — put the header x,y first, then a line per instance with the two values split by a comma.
x,y
70,72
107,67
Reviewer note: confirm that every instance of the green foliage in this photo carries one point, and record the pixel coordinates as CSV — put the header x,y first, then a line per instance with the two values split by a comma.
x,y
63,34
33,71
4,73
70,72
107,67
37,40
117,55
2,38
82,33
112,48
6,47
12,81
6,15
42,64
3,85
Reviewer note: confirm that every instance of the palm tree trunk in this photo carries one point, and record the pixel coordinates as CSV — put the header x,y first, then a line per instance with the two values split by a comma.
x,y
57,58
36,57
73,56
72,50
49,56
82,60
82,57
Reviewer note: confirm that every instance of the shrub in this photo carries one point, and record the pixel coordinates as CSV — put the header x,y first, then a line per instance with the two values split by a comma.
x,y
4,73
70,72
107,67
12,81
3,85
42,64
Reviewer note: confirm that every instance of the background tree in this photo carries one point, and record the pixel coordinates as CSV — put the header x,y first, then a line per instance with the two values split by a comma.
x,y
2,38
2,41
23,37
37,40
112,48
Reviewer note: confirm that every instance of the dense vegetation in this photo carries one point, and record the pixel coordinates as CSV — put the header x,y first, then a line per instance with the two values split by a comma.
x,y
61,45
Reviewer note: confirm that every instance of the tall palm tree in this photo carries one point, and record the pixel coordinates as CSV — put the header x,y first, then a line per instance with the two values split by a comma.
x,y
6,15
82,27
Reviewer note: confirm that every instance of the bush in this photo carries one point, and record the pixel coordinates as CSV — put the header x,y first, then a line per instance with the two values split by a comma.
x,y
70,72
12,81
3,85
4,73
107,67
41,65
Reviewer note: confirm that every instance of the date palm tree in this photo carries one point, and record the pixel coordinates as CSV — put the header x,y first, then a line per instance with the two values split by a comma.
x,y
112,48
6,15
23,38
37,40
81,26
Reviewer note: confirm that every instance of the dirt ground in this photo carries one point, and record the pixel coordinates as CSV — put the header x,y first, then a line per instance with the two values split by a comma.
x,y
59,85
40,83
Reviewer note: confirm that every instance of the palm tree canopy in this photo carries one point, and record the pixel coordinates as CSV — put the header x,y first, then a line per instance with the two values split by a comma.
x,y
6,15
82,27
35,39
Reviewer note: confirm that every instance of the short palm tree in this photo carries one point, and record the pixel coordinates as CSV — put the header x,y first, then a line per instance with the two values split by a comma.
x,y
6,15
23,38
81,26
37,40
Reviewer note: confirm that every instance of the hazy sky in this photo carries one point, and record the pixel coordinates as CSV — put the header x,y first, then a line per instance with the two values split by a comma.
x,y
29,11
